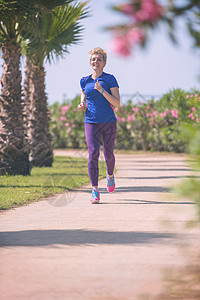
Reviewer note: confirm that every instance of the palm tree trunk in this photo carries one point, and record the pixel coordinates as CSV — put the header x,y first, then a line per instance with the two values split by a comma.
x,y
39,138
27,94
13,146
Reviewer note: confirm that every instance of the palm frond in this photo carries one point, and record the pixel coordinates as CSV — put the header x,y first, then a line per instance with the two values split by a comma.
x,y
60,44
6,5
4,35
37,6
56,32
18,17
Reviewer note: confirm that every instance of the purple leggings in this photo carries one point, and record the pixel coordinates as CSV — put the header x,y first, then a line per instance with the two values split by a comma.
x,y
93,132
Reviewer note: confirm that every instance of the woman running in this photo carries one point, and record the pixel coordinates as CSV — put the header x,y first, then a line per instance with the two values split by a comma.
x,y
99,93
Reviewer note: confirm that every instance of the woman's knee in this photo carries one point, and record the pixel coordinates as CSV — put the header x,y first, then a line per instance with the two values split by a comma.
x,y
93,153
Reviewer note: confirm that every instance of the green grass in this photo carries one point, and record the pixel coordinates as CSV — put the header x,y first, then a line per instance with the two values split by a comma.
x,y
67,173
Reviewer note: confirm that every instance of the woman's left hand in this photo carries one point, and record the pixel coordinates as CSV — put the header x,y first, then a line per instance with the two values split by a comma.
x,y
98,86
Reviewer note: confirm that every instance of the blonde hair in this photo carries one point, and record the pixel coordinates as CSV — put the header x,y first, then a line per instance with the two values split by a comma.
x,y
98,50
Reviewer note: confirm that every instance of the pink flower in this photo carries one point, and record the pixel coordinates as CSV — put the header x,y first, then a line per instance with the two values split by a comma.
x,y
152,121
123,119
73,125
128,9
129,119
141,16
189,96
155,113
150,11
167,111
191,116
163,115
148,115
197,120
135,35
116,108
193,108
67,124
135,109
174,113
68,130
196,95
63,118
64,109
133,116
148,107
120,45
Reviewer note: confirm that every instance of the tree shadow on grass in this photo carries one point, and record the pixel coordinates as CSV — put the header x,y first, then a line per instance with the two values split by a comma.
x,y
38,238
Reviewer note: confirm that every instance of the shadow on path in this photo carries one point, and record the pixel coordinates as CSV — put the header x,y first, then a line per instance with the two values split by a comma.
x,y
128,189
159,177
142,189
158,170
136,202
35,238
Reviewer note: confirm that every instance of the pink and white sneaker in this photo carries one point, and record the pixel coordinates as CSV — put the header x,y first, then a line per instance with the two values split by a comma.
x,y
110,183
95,196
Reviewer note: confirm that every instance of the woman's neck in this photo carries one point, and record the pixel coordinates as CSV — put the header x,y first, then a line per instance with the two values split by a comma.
x,y
95,74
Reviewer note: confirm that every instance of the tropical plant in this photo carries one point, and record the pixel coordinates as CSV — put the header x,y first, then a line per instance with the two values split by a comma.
x,y
143,16
56,32
13,146
17,20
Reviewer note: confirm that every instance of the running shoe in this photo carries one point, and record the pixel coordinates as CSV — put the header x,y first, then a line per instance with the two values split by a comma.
x,y
110,183
95,196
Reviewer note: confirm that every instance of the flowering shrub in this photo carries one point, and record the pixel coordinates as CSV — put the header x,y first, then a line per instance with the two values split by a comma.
x,y
67,125
154,126
142,17
141,14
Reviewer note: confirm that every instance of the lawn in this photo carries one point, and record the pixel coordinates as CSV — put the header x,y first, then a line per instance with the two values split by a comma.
x,y
66,174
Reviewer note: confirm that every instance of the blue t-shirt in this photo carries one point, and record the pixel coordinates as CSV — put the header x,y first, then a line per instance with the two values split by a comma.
x,y
98,109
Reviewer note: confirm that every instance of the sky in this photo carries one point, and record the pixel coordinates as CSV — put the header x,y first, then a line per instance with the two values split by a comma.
x,y
154,71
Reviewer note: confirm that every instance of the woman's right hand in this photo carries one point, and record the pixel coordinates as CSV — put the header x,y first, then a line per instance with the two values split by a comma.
x,y
81,106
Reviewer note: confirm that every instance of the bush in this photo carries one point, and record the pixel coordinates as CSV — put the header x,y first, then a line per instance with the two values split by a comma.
x,y
154,126
190,187
67,125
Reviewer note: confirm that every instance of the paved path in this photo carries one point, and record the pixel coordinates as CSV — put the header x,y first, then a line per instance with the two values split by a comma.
x,y
120,249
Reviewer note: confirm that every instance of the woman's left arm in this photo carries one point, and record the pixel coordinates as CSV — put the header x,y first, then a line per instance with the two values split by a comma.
x,y
113,98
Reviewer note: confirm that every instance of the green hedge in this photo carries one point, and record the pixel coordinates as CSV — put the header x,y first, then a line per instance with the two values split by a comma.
x,y
154,126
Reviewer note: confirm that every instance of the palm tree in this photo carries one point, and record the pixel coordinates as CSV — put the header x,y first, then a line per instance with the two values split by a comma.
x,y
13,146
16,17
56,32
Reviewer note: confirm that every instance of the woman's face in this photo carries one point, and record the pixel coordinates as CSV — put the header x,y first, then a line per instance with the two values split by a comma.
x,y
97,62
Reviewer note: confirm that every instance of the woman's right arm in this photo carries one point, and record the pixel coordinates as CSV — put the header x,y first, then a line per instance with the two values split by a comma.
x,y
82,104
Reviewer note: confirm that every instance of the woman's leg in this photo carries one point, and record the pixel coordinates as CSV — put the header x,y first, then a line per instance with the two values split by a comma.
x,y
92,135
109,131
